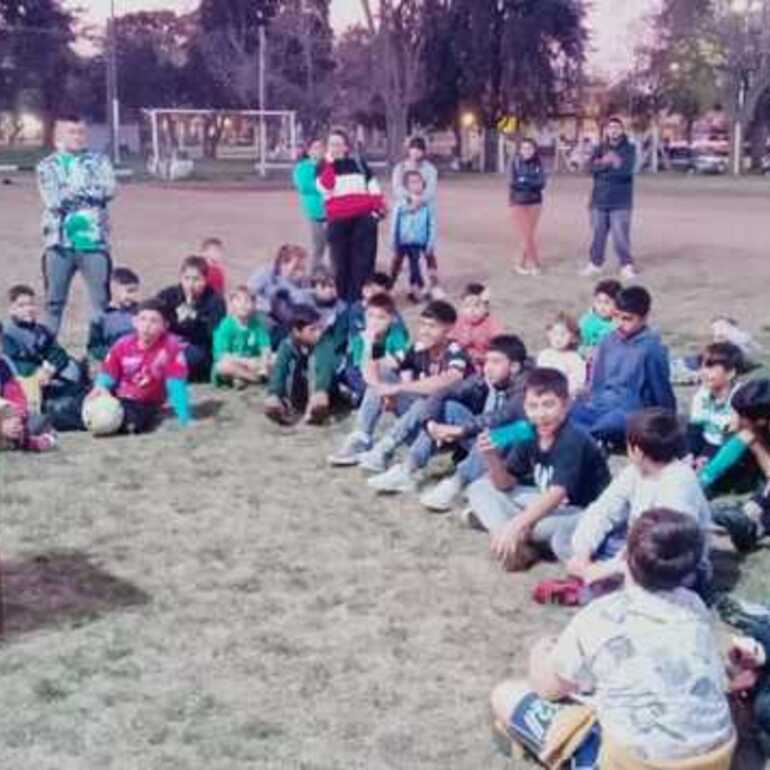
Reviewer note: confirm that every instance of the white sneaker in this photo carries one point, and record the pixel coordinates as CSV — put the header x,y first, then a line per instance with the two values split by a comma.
x,y
394,480
375,460
628,273
437,293
441,497
590,270
348,454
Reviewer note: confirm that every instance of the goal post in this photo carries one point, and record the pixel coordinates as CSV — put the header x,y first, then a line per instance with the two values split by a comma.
x,y
178,138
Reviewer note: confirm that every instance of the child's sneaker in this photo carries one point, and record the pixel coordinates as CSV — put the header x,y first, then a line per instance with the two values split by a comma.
x,y
397,479
441,497
376,459
45,442
436,293
349,454
628,273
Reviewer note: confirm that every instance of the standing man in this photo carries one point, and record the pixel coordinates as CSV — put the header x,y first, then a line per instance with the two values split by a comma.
x,y
75,185
612,164
416,161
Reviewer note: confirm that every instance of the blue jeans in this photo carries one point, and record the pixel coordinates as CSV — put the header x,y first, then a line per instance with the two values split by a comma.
x,y
408,409
617,222
604,424
423,448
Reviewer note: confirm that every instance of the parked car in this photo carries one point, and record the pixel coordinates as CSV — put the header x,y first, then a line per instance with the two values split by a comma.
x,y
682,159
709,161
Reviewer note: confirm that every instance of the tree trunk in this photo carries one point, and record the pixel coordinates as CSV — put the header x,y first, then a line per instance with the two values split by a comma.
x,y
491,139
758,138
397,117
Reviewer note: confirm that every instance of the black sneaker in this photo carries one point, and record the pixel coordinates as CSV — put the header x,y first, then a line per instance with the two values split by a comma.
x,y
743,531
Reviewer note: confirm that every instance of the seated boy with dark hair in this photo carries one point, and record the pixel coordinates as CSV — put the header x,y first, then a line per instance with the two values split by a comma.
x,y
749,523
402,385
630,371
194,311
54,383
382,334
117,319
455,416
293,390
540,489
16,432
241,343
144,369
377,284
646,657
655,477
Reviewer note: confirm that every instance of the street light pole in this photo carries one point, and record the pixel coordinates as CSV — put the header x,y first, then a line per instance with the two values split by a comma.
x,y
113,104
262,126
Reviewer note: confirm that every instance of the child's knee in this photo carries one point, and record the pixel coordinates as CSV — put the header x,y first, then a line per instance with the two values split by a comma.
x,y
506,697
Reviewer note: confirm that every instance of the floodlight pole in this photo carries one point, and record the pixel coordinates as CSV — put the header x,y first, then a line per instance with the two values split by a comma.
x,y
113,103
262,125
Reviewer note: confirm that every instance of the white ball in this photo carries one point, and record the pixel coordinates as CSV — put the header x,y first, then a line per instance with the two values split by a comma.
x,y
102,415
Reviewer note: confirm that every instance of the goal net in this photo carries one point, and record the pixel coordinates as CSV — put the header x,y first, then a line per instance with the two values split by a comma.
x,y
180,141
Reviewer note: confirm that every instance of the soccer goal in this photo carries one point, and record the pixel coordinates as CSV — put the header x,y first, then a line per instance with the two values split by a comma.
x,y
178,140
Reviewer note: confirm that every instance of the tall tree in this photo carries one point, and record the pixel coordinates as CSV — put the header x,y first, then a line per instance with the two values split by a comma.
x,y
35,38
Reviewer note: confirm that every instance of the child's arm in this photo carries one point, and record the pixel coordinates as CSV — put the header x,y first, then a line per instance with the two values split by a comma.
x,y
496,465
399,191
222,343
179,398
276,386
48,187
606,513
658,374
759,449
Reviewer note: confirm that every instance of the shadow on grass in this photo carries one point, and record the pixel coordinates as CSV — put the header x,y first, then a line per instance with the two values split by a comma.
x,y
727,569
207,408
50,588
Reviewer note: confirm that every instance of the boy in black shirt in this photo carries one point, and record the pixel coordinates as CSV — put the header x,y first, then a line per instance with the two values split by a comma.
x,y
194,311
543,483
402,386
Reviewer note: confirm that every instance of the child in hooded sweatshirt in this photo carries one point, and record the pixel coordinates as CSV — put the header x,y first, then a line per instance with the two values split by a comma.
x,y
280,287
476,326
630,372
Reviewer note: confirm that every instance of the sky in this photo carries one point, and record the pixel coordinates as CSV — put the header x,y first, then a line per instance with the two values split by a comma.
x,y
614,23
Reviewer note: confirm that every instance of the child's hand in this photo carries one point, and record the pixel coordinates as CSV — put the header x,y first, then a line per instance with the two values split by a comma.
x,y
45,374
484,444
387,389
97,390
578,567
506,541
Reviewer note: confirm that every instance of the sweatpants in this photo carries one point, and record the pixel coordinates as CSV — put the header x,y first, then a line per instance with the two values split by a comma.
x,y
59,268
494,509
353,246
618,223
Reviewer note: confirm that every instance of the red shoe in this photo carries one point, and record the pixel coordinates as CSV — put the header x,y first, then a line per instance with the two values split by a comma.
x,y
562,592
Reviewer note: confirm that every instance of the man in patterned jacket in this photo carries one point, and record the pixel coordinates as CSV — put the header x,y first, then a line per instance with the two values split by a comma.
x,y
76,186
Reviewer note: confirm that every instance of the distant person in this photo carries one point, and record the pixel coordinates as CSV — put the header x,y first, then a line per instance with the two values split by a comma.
x,y
76,186
416,161
354,206
213,251
612,164
313,206
526,194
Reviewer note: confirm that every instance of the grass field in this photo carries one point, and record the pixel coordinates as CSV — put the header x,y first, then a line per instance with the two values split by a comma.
x,y
217,598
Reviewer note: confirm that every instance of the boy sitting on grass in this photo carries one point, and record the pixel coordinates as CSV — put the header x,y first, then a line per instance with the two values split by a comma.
x,y
194,310
749,523
540,489
241,344
15,429
294,391
402,385
476,326
381,334
630,371
599,321
594,545
647,658
455,416
117,319
144,369
54,383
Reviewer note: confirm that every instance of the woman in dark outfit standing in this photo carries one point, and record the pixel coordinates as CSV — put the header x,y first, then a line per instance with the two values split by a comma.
x,y
526,189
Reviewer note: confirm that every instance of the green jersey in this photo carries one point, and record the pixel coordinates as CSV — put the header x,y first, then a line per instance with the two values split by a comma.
x,y
233,338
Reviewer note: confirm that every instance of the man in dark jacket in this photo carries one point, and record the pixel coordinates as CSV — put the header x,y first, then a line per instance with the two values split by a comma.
x,y
612,165
630,372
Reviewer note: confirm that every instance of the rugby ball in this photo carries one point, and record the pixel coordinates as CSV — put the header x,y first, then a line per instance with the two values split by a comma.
x,y
102,415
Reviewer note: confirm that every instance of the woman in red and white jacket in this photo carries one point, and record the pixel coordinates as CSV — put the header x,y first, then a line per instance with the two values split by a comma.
x,y
354,206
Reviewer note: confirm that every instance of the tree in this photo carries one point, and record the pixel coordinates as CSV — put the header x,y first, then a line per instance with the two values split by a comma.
x,y
36,59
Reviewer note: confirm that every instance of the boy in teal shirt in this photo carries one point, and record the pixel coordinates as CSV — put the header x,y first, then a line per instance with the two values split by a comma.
x,y
313,205
241,344
599,321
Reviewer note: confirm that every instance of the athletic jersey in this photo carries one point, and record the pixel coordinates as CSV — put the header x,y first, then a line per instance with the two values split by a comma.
x,y
141,374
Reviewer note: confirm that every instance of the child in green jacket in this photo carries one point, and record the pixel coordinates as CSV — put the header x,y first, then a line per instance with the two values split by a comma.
x,y
241,345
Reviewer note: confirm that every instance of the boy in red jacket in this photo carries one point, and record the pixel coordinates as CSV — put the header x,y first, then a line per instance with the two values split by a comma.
x,y
476,326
